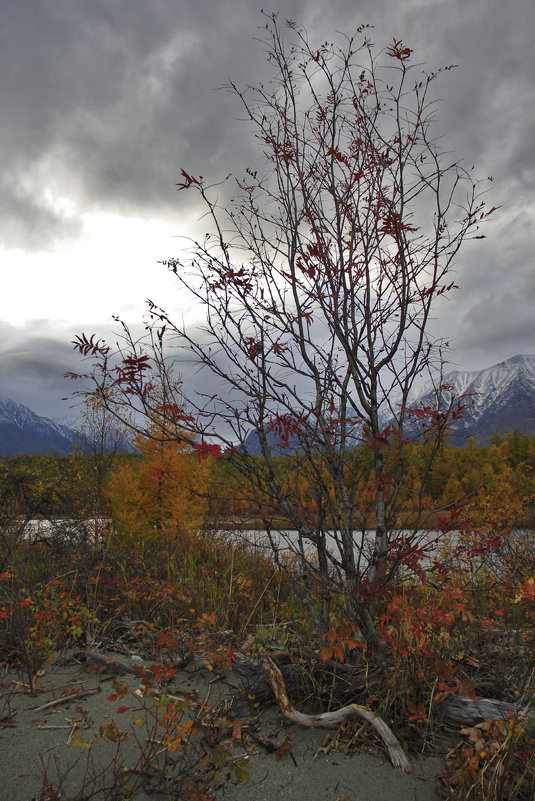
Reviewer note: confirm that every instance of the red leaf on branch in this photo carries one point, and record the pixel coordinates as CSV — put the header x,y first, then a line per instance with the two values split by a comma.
x,y
333,151
76,376
188,180
396,50
381,440
332,652
307,316
132,370
308,268
408,554
252,348
175,413
286,426
137,363
91,346
205,449
227,276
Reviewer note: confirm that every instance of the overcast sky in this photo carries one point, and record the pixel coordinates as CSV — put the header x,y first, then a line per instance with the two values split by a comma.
x,y
104,101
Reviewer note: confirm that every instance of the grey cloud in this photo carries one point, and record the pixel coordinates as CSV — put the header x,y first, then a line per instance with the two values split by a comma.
x,y
498,326
32,222
115,98
490,95
491,315
34,358
103,103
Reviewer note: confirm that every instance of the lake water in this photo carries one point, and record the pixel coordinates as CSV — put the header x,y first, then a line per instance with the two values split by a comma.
x,y
286,541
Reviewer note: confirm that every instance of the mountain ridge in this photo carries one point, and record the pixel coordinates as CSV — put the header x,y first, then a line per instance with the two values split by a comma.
x,y
498,398
23,431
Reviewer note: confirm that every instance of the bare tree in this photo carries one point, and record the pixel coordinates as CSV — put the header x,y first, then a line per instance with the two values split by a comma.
x,y
101,437
318,277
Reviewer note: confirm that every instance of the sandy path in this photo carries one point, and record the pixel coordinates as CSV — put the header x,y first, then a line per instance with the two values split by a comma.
x,y
33,740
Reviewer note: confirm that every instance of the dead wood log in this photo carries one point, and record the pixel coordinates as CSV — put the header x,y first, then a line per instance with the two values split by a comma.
x,y
458,711
258,683
330,720
105,663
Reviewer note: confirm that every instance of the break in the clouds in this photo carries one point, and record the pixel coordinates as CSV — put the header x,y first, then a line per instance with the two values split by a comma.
x,y
104,102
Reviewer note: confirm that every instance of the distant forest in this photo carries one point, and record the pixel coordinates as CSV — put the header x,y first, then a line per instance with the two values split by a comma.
x,y
500,476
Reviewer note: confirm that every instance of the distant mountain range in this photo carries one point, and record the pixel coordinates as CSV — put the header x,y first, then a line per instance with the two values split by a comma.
x,y
498,399
24,431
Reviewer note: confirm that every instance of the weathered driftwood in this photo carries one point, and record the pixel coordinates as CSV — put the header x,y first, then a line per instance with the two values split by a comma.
x,y
459,711
330,720
107,664
257,683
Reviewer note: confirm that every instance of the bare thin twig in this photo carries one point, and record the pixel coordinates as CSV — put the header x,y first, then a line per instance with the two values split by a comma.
x,y
65,699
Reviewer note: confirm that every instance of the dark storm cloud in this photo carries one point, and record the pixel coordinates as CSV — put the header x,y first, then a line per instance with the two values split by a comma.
x,y
30,221
103,103
33,360
106,101
35,356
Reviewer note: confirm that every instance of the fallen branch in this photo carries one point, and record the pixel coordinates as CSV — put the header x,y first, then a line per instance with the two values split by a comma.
x,y
330,720
65,698
459,711
106,664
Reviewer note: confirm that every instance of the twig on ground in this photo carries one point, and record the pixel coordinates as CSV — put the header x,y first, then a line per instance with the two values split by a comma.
x,y
65,698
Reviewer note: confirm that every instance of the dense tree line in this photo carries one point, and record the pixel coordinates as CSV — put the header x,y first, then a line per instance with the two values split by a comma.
x,y
498,477
487,484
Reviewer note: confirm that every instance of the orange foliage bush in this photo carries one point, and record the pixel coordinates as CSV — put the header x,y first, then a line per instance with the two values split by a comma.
x,y
164,493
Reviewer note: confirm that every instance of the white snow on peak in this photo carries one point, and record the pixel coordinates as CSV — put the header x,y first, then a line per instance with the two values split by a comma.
x,y
491,386
21,416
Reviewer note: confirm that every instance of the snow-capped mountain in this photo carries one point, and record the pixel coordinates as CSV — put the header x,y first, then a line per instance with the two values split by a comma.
x,y
24,431
497,399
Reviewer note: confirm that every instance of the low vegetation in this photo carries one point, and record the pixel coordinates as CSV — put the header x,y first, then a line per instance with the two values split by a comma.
x,y
463,625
